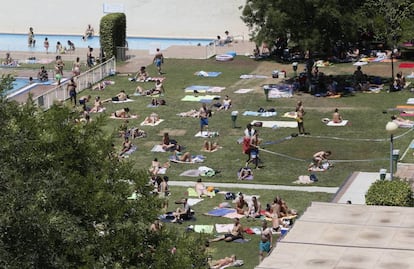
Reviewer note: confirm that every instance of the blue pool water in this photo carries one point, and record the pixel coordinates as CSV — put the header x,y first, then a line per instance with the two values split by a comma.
x,y
18,42
21,83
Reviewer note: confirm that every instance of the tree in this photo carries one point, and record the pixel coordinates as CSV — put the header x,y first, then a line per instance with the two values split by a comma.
x,y
388,20
63,198
308,24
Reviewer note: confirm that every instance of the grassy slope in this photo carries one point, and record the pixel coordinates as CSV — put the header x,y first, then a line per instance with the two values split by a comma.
x,y
364,111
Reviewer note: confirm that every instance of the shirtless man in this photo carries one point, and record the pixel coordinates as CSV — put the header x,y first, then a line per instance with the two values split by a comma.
x,y
319,157
241,204
121,96
126,145
235,233
122,113
223,262
158,60
201,189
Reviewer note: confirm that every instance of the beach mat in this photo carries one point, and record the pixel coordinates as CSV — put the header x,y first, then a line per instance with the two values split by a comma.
x,y
124,101
157,148
119,118
207,229
201,98
259,114
406,65
291,115
206,134
342,123
191,173
277,124
203,89
220,212
243,90
207,74
223,228
144,123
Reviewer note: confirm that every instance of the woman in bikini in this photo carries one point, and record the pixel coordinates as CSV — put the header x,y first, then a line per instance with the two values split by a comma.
x,y
182,156
122,113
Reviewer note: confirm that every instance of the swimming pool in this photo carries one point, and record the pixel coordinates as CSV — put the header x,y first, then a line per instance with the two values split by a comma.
x,y
22,84
18,42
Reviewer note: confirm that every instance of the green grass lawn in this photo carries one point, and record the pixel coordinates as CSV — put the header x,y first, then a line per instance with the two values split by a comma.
x,y
353,146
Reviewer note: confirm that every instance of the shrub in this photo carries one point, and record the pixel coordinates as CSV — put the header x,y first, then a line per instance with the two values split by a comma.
x,y
112,33
390,193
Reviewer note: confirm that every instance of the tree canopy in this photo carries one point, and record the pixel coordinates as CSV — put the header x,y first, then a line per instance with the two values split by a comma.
x,y
320,25
63,198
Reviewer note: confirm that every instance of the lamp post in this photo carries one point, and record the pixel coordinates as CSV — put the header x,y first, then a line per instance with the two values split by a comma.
x,y
391,127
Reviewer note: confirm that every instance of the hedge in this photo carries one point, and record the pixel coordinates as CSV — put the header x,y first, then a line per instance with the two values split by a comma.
x,y
112,32
390,193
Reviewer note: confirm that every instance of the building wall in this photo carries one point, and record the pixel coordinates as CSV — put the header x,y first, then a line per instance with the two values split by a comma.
x,y
145,18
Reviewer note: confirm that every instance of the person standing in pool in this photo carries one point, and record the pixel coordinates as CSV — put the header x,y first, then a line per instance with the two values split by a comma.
x,y
30,38
158,60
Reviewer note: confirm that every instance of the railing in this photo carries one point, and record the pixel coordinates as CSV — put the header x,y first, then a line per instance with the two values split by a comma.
x,y
84,80
210,50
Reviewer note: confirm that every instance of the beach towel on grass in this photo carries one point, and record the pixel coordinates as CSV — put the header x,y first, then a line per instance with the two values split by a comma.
x,y
124,101
119,118
410,101
206,134
342,123
259,114
157,148
204,89
207,229
407,114
304,179
406,65
207,74
220,212
250,76
193,193
277,124
244,90
291,115
224,228
194,201
202,98
130,151
194,159
233,215
145,123
191,173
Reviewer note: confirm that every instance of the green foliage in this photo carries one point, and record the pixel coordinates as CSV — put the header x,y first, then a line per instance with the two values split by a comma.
x,y
390,193
112,33
317,25
63,198
6,82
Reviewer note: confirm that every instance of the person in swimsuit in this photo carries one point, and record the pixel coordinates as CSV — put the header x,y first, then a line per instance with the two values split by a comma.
x,y
336,117
122,113
158,60
235,233
46,45
226,103
71,88
182,156
30,38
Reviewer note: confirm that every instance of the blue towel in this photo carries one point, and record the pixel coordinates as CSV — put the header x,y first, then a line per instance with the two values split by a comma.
x,y
197,88
219,212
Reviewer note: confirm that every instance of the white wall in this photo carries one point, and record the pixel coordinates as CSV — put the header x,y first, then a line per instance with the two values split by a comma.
x,y
145,18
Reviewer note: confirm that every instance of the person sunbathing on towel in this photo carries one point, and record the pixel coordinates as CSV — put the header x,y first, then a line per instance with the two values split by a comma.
x,y
235,233
97,105
182,156
241,204
210,146
223,262
142,75
201,189
244,173
336,117
401,121
126,146
122,113
121,96
254,208
152,119
182,213
167,143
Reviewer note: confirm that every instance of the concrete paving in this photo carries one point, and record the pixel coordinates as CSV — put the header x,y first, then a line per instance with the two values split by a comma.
x,y
330,235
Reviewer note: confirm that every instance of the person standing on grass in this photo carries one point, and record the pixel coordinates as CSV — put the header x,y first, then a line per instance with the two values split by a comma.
x,y
158,60
203,112
71,88
266,241
300,112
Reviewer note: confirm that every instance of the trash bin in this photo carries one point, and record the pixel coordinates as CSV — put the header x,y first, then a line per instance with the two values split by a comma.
x,y
120,53
383,173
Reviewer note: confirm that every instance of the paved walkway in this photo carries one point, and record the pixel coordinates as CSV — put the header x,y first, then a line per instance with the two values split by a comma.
x,y
257,186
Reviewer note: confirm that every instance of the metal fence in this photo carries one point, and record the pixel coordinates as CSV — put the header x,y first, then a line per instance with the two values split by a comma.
x,y
84,80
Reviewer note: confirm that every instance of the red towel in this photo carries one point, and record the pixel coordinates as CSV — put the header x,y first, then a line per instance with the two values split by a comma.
x,y
406,65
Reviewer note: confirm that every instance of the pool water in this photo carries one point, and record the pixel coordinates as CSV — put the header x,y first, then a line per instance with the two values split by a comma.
x,y
21,83
18,42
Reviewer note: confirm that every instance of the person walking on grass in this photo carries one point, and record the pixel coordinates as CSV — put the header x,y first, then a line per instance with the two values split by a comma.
x,y
158,60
